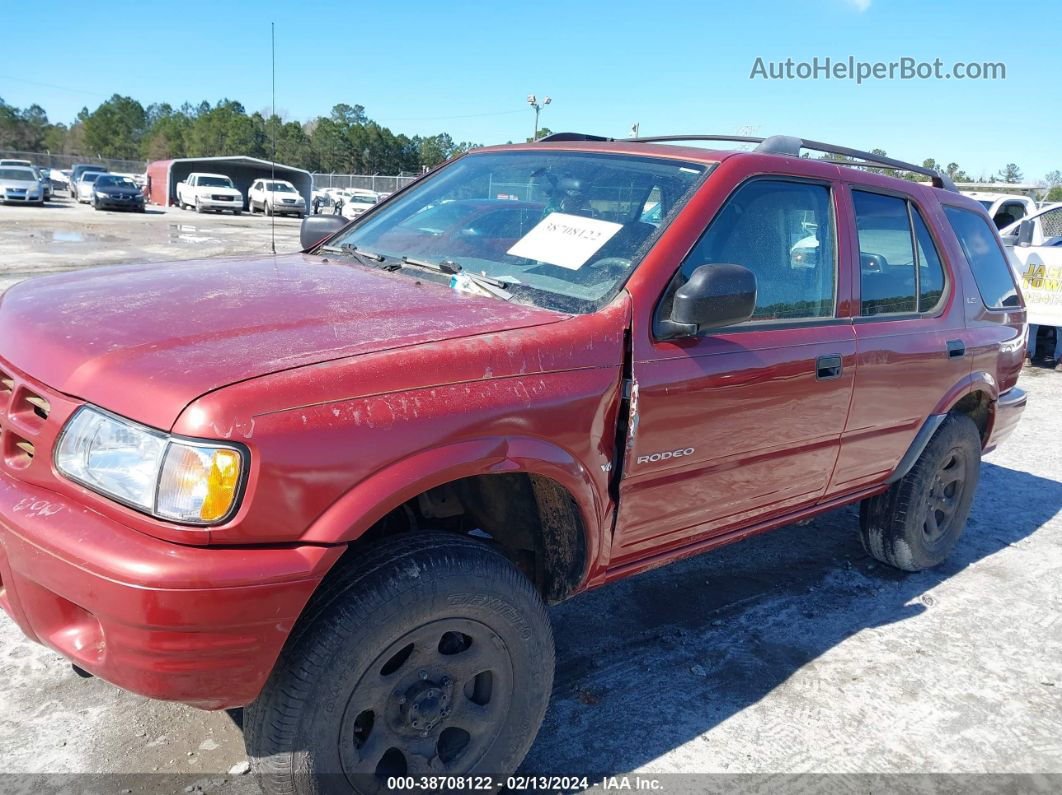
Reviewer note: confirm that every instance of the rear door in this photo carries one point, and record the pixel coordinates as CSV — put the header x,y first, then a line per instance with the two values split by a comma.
x,y
743,423
910,333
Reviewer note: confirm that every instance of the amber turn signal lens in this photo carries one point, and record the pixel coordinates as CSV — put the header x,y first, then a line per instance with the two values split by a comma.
x,y
199,483
222,481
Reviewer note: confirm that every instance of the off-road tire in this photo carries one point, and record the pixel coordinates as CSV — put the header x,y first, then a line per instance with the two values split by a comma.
x,y
897,528
407,585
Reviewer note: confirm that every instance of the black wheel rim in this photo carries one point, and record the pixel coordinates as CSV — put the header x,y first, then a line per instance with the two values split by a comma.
x,y
945,494
432,703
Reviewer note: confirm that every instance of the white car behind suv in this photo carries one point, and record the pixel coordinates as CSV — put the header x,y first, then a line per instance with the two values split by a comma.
x,y
275,196
358,201
209,192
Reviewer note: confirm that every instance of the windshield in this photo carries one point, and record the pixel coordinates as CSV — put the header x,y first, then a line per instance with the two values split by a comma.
x,y
91,176
114,182
562,230
363,198
279,187
987,204
23,174
215,182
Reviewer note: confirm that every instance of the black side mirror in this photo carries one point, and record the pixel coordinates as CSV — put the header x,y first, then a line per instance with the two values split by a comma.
x,y
316,228
715,296
1025,232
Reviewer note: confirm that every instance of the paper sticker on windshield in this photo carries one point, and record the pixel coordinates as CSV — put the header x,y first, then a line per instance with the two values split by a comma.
x,y
565,240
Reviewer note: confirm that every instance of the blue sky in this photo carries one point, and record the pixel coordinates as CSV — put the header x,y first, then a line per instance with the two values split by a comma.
x,y
467,67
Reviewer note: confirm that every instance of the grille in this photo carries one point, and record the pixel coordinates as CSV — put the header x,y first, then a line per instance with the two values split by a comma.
x,y
41,407
223,198
28,421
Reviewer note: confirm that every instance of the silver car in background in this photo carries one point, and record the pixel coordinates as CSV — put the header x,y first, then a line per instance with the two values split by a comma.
x,y
44,174
20,185
85,185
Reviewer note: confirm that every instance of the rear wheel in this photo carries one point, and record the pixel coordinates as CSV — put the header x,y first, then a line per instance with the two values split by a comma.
x,y
917,522
431,655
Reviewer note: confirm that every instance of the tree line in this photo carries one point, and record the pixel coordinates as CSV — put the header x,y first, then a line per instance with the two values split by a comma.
x,y
345,141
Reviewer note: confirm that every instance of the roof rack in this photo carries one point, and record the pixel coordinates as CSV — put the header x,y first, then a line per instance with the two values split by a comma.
x,y
782,145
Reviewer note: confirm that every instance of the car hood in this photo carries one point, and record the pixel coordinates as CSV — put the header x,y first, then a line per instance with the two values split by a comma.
x,y
29,184
219,191
144,341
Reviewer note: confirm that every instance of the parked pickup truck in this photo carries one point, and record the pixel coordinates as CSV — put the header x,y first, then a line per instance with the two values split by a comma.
x,y
340,487
1034,245
214,192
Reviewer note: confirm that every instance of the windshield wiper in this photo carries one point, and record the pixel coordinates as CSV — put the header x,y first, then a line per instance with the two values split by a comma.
x,y
495,287
364,256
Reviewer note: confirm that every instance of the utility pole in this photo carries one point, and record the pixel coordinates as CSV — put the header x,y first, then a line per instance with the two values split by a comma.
x,y
634,129
532,100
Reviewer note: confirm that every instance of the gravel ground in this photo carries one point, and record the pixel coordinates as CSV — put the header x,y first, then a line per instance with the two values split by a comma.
x,y
789,653
64,235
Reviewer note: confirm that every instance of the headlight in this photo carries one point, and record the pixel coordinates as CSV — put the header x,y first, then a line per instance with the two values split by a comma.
x,y
167,477
102,195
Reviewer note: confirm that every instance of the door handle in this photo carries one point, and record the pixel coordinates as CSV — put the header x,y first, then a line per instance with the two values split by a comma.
x,y
828,367
956,349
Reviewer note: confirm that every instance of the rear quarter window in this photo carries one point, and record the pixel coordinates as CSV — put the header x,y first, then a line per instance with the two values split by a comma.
x,y
986,260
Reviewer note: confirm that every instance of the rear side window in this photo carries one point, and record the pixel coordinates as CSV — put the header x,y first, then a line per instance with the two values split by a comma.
x,y
900,269
783,232
989,266
886,255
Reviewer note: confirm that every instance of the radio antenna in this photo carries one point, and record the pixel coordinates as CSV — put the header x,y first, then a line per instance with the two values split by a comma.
x,y
273,121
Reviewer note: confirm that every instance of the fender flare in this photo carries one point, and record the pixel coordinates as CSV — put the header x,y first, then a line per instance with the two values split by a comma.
x,y
349,517
979,381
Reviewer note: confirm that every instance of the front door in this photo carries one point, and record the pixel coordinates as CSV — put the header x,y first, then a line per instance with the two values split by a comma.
x,y
743,423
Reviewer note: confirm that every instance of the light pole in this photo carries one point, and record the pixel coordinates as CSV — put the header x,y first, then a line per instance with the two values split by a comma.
x,y
532,100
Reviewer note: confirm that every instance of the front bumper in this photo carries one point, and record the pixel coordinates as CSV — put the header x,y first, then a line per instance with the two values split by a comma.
x,y
116,203
220,204
199,625
1008,409
286,209
21,197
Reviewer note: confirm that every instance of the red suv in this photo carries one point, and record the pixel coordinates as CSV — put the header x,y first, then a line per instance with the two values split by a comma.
x,y
341,486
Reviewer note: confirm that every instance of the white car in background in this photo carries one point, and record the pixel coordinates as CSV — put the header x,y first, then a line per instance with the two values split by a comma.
x,y
85,185
20,185
358,201
275,196
1003,208
60,181
214,192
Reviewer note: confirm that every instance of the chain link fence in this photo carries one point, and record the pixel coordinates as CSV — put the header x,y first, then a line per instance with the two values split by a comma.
x,y
60,162
373,182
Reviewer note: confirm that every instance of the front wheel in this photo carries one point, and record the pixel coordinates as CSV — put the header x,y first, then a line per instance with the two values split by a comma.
x,y
267,209
199,208
430,655
917,522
